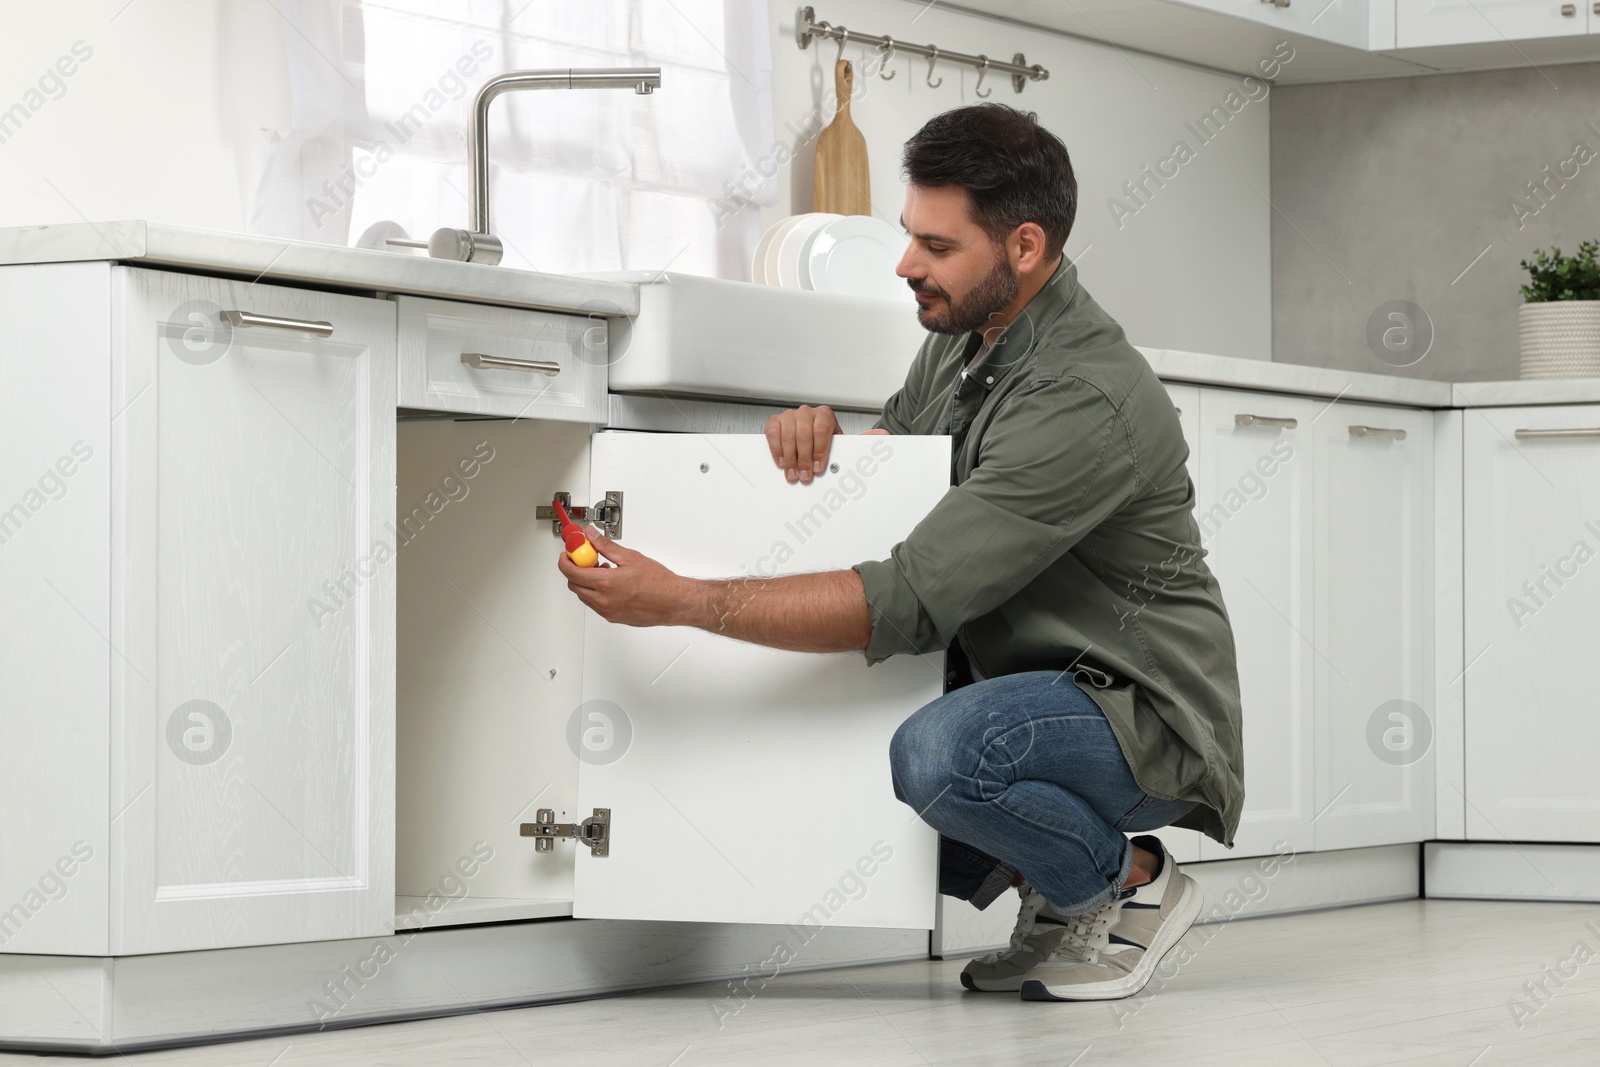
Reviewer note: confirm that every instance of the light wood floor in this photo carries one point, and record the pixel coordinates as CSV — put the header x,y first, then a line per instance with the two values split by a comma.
x,y
1424,983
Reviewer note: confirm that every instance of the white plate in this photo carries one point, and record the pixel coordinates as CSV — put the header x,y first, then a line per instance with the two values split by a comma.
x,y
758,262
769,262
857,256
791,250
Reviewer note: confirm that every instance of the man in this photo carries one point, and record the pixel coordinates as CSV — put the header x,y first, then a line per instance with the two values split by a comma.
x,y
1062,570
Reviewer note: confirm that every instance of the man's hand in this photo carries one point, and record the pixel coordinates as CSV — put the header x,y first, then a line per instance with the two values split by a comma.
x,y
821,612
800,440
635,590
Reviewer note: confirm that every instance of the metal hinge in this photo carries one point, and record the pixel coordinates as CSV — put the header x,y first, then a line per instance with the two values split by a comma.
x,y
594,831
607,514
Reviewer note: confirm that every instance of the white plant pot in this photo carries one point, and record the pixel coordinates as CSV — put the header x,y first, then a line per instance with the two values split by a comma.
x,y
1560,339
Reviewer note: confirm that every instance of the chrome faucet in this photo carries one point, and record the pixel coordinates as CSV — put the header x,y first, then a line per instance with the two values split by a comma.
x,y
479,244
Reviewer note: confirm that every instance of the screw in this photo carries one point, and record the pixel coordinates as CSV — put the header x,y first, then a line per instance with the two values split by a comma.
x,y
704,467
834,467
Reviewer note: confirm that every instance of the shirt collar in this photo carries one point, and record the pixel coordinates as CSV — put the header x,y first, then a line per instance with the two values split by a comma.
x,y
1016,343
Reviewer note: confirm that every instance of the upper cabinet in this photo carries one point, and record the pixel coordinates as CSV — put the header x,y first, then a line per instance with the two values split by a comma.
x,y
1428,23
1328,40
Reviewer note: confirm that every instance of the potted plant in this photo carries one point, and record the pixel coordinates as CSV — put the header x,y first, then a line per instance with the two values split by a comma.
x,y
1559,324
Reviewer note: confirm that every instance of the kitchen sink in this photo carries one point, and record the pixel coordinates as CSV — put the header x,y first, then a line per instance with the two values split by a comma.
x,y
697,336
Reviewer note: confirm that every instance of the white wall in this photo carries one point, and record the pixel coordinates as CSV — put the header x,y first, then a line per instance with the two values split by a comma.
x,y
170,118
1191,270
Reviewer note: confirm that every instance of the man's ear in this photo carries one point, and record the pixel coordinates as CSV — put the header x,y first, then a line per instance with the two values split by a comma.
x,y
1028,242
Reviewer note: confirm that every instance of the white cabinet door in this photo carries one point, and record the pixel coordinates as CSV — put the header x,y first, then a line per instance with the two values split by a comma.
x,y
253,610
1185,844
748,784
1423,23
1373,626
1254,514
1532,513
1339,21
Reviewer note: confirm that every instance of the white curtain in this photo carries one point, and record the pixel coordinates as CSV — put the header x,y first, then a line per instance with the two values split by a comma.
x,y
581,180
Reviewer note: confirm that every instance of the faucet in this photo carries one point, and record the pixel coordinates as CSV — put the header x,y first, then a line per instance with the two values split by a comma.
x,y
479,245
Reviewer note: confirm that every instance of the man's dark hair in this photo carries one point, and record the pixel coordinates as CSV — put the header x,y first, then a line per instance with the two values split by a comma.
x,y
1013,169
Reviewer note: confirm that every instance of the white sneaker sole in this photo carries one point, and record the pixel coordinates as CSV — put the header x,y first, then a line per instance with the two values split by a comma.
x,y
1167,938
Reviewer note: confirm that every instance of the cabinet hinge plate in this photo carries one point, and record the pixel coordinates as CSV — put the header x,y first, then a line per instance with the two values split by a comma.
x,y
594,831
607,514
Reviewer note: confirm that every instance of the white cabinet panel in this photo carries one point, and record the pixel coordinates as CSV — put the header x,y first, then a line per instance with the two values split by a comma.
x,y
1373,631
1254,512
1421,23
253,601
55,661
1532,516
754,786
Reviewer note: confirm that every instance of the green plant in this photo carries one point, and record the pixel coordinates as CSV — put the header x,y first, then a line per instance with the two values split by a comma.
x,y
1554,276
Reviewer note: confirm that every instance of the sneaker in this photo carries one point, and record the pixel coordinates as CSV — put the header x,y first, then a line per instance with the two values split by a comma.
x,y
1032,941
1111,953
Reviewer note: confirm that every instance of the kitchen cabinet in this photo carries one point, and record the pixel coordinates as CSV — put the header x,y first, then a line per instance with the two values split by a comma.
x,y
1254,511
743,784
253,610
1372,626
1426,23
1336,21
244,738
1532,595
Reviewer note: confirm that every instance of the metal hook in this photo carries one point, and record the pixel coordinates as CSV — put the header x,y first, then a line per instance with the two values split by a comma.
x,y
983,68
932,59
887,48
844,39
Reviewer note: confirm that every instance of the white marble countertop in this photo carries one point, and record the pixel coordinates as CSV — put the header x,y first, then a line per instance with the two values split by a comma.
x,y
404,272
276,259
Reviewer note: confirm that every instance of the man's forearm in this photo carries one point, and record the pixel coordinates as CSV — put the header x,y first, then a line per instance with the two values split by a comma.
x,y
823,612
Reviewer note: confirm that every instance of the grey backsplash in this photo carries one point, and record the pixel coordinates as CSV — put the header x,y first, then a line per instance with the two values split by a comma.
x,y
1387,190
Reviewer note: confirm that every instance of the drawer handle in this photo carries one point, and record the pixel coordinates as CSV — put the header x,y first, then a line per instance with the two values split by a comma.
x,y
1569,10
1243,419
250,318
1377,431
1523,435
478,361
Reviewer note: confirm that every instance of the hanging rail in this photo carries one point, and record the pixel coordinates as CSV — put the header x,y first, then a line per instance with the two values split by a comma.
x,y
807,27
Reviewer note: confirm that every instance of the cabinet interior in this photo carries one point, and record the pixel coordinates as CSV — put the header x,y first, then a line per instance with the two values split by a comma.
x,y
490,658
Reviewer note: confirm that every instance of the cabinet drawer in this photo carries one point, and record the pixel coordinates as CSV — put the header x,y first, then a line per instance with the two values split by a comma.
x,y
501,361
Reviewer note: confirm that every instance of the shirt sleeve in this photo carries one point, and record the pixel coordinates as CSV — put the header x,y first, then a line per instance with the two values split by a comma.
x,y
1055,463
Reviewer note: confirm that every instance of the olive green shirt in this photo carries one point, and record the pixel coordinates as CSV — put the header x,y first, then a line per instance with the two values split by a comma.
x,y
1068,541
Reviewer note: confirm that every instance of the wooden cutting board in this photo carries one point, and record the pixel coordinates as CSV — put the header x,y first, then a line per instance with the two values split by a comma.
x,y
842,183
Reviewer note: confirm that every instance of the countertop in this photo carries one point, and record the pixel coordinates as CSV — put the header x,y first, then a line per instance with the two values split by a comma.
x,y
304,262
277,259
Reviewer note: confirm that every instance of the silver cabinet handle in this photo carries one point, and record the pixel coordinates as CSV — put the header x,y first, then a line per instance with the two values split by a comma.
x,y
1242,419
1523,435
1569,10
250,318
479,361
1377,431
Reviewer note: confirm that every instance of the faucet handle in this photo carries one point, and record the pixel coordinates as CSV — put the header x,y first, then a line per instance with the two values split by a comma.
x,y
465,246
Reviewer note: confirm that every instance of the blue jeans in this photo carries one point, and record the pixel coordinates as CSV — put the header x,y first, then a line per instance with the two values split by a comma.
x,y
1022,773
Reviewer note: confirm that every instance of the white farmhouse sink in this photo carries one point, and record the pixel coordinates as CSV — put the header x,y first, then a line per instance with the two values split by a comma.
x,y
698,336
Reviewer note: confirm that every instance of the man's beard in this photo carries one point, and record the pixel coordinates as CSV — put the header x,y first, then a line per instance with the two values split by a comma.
x,y
993,292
